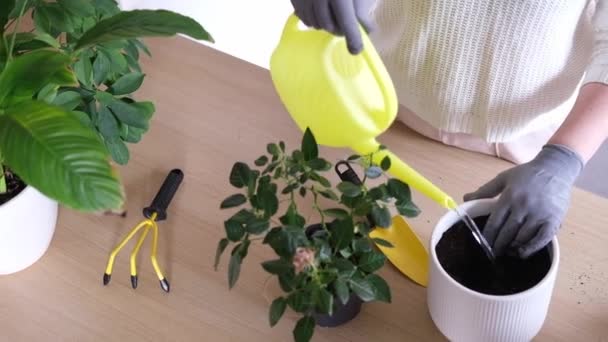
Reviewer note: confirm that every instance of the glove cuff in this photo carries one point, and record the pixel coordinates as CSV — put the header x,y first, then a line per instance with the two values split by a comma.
x,y
565,161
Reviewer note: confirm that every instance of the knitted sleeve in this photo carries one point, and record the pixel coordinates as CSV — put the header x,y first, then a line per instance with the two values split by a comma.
x,y
598,69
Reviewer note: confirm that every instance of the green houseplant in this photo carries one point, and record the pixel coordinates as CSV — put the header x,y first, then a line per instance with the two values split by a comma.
x,y
66,108
325,265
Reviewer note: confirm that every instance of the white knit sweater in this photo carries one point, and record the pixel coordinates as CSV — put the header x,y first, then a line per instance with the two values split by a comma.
x,y
492,68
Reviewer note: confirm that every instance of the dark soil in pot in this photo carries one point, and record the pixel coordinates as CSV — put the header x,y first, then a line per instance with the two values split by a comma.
x,y
464,261
14,186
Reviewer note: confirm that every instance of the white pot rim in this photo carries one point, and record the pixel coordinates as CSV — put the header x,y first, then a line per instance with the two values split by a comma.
x,y
6,205
436,236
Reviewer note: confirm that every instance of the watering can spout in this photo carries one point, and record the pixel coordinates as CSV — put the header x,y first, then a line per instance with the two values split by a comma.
x,y
400,170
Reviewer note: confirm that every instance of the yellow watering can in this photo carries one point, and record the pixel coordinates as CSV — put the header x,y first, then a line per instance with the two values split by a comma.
x,y
346,100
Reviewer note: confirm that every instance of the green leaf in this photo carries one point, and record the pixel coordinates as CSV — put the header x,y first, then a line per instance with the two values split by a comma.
x,y
133,134
319,164
46,38
234,269
407,209
329,194
399,190
363,288
372,261
337,213
385,164
381,289
132,63
48,93
349,189
310,150
243,216
76,171
344,265
142,46
233,201
381,216
278,266
145,108
107,124
132,50
257,226
101,68
84,71
277,308
129,114
68,100
261,161
292,217
363,228
273,149
325,301
362,246
221,246
83,117
234,230
118,150
118,62
142,23
342,233
104,98
379,193
240,175
78,8
382,242
106,7
341,290
322,180
304,329
6,7
27,74
50,16
127,84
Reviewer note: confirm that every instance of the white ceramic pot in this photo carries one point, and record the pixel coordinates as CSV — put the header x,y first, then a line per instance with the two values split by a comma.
x,y
462,314
27,225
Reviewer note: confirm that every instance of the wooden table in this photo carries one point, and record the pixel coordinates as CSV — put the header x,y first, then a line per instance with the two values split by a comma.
x,y
212,111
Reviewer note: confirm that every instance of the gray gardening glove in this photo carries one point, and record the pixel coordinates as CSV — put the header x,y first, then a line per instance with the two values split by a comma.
x,y
534,198
340,17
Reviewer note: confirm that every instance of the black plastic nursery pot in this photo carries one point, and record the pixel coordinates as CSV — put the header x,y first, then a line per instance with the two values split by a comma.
x,y
342,313
463,259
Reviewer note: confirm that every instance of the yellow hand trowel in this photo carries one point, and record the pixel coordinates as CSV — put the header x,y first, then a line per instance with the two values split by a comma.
x,y
346,100
407,253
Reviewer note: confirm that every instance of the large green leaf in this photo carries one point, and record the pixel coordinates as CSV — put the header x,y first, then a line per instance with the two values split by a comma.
x,y
6,7
79,8
25,75
53,152
18,5
142,23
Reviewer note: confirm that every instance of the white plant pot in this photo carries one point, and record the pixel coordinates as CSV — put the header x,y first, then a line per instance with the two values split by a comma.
x,y
462,314
27,225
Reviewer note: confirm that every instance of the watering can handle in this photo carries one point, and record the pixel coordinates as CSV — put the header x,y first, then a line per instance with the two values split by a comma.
x,y
388,93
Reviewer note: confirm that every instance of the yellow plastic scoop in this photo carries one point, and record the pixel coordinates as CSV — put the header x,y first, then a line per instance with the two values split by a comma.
x,y
408,253
346,101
